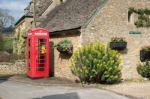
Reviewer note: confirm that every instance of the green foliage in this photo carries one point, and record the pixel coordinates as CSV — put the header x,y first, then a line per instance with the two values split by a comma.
x,y
143,19
147,11
8,45
19,43
64,46
95,63
117,39
1,41
139,23
144,69
146,48
131,10
139,11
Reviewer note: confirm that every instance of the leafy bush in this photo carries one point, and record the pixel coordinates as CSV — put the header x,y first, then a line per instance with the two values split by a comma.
x,y
143,19
139,23
117,39
19,42
147,11
146,48
1,41
95,63
65,46
140,11
130,11
144,69
8,45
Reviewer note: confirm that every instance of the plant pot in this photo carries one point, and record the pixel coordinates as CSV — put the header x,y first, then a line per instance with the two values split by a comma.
x,y
118,45
62,51
144,55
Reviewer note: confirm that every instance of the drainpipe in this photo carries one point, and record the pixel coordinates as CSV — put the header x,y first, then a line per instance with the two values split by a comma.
x,y
34,13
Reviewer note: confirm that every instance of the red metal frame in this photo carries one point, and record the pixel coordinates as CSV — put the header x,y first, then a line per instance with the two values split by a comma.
x,y
37,53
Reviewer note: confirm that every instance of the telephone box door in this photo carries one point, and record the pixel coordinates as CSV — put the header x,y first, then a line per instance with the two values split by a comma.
x,y
42,54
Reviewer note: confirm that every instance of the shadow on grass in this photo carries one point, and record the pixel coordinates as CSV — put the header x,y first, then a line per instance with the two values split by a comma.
x,y
61,96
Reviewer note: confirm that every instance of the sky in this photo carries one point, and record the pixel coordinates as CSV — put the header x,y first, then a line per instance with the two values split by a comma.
x,y
14,7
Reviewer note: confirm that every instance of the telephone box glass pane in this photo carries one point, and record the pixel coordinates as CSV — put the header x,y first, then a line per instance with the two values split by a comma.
x,y
41,49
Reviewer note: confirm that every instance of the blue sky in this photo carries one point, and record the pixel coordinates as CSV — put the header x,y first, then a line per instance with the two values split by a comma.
x,y
14,7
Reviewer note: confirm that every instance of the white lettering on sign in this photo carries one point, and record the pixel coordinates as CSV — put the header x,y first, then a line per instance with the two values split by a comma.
x,y
40,33
29,33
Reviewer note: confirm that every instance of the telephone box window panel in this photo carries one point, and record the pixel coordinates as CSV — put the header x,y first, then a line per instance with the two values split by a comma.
x,y
38,53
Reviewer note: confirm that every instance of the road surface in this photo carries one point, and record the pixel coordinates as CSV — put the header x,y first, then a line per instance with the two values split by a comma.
x,y
17,90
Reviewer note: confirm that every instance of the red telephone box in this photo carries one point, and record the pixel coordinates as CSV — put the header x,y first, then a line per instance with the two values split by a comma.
x,y
37,54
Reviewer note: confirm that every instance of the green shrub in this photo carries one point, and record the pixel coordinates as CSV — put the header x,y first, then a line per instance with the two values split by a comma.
x,y
65,46
144,69
130,11
140,11
8,45
139,23
95,63
147,11
143,16
1,41
146,48
117,39
19,42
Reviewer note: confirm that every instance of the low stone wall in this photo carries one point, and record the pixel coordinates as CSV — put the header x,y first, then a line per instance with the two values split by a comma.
x,y
12,68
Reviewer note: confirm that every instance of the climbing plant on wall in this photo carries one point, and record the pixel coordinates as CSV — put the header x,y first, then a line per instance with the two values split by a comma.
x,y
19,43
143,16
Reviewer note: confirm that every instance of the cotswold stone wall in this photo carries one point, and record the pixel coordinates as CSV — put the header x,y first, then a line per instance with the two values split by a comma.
x,y
112,21
9,68
61,63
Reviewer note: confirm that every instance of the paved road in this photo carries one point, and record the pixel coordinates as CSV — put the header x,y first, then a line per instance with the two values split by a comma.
x,y
17,90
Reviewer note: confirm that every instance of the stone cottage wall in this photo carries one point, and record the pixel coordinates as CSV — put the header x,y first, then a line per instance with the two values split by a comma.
x,y
112,21
62,63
